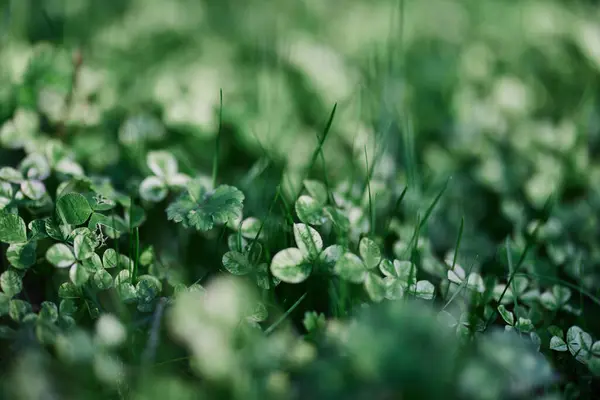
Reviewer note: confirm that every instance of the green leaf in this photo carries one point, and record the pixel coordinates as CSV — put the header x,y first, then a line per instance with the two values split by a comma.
x,y
369,252
310,211
60,255
102,279
201,210
35,190
507,316
55,231
12,228
162,163
308,240
579,343
79,275
317,190
73,208
148,288
153,189
126,292
94,263
561,294
395,288
549,301
236,263
456,275
11,282
18,309
250,227
35,166
84,247
290,266
375,287
557,344
351,268
405,271
22,255
11,175
4,304
425,290
110,258
38,229
475,282
331,255
48,312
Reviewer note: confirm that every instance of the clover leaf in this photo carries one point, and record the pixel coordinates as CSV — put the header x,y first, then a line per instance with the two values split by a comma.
x,y
295,264
166,176
12,228
201,209
360,269
79,258
73,208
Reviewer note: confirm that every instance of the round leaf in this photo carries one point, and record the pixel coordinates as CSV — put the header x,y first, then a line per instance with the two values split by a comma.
x,y
290,266
34,190
310,211
153,189
73,208
375,287
102,279
369,252
48,312
425,290
162,163
22,256
250,227
308,240
110,258
317,190
12,228
60,255
11,282
84,247
79,275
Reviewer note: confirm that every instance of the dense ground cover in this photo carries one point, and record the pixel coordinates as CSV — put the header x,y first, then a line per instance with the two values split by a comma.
x,y
290,200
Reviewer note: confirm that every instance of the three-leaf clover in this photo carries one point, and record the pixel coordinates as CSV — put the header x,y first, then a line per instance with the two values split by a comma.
x,y
295,264
361,269
244,258
578,342
556,298
79,257
201,208
521,324
166,176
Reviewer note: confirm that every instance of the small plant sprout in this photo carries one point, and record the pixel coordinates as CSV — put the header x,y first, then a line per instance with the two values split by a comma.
x,y
163,164
78,257
295,264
